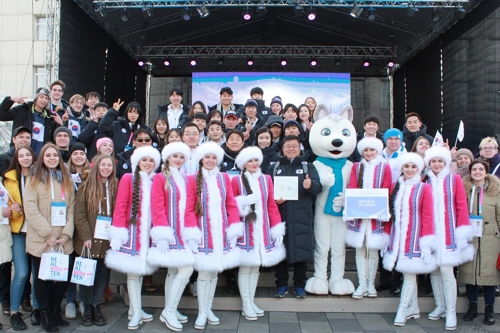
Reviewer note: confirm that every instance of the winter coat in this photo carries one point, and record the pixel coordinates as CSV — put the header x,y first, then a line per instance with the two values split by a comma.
x,y
37,209
5,244
451,219
270,155
412,228
492,162
22,115
219,222
356,156
12,186
123,164
168,211
258,247
76,124
482,270
5,160
298,214
89,137
410,137
183,117
375,175
85,223
118,129
228,163
131,258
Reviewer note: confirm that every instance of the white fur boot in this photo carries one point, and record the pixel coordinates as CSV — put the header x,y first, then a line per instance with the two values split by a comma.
x,y
134,292
437,289
168,282
254,280
146,317
372,273
413,310
407,291
169,314
244,286
203,290
450,297
361,291
212,318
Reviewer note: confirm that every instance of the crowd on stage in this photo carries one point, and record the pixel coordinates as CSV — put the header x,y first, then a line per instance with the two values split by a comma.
x,y
195,194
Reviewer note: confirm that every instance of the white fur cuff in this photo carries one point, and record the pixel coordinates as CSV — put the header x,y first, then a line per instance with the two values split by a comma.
x,y
158,233
278,230
464,232
235,229
243,209
119,233
428,243
191,233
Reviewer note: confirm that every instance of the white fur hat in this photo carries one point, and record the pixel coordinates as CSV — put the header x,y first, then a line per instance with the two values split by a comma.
x,y
175,147
410,157
209,148
437,151
370,143
246,155
145,151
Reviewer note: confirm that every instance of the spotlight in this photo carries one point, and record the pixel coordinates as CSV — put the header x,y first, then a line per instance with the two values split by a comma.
x,y
390,64
247,13
461,12
366,63
193,62
356,11
124,16
371,14
203,11
220,61
185,14
411,11
338,62
147,11
141,62
250,62
261,11
283,62
299,11
434,16
311,14
100,11
166,62
313,62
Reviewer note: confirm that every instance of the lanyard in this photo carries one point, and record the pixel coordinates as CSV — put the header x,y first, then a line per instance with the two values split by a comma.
x,y
130,138
52,189
481,195
107,201
22,185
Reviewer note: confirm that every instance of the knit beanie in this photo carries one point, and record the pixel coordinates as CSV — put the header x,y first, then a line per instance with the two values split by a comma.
x,y
99,142
393,132
77,146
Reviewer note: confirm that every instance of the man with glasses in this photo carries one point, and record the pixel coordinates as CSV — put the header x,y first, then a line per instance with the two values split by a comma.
x,y
297,214
488,152
142,137
190,134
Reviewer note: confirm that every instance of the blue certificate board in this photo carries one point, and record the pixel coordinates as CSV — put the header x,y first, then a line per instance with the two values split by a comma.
x,y
367,204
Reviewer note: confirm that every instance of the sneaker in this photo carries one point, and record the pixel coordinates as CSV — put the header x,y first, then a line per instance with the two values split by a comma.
x,y
300,292
26,305
70,312
17,322
6,309
193,289
281,292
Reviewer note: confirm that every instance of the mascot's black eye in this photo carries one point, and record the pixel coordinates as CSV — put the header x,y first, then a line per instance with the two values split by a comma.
x,y
346,132
326,132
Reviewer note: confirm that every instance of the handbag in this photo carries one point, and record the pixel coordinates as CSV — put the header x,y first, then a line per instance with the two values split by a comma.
x,y
54,265
498,262
84,269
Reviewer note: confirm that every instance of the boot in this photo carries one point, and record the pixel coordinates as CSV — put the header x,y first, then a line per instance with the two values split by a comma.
x,y
471,312
169,314
48,323
372,273
413,311
437,289
254,279
361,291
450,298
146,317
88,315
36,317
489,315
212,318
168,282
203,291
58,319
134,292
247,308
407,291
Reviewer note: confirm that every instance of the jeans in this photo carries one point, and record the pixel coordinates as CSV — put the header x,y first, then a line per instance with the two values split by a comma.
x,y
299,274
92,295
472,294
20,286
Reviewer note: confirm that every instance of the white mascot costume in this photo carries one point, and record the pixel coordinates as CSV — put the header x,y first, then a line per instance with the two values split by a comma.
x,y
332,139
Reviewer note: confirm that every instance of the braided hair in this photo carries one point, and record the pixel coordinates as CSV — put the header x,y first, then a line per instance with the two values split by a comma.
x,y
392,198
199,186
360,175
166,173
252,216
135,196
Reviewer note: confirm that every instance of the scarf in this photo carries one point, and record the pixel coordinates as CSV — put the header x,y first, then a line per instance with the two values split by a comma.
x,y
338,186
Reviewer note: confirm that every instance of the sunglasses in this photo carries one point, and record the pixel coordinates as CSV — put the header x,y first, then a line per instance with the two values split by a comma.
x,y
143,140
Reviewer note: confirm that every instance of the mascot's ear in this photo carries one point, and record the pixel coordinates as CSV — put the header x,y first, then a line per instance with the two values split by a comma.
x,y
347,112
320,112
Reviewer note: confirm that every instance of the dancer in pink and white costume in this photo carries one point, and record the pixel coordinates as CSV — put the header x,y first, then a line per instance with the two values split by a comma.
x,y
368,236
171,239
453,232
411,233
212,208
262,241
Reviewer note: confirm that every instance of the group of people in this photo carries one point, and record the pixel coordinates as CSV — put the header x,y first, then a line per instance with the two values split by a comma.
x,y
211,172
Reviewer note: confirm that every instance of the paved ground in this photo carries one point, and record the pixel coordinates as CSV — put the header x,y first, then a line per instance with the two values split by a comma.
x,y
273,322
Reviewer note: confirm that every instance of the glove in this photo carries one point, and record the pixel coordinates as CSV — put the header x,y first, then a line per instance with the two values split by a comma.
x,y
251,199
278,241
232,242
462,244
193,245
384,251
386,219
162,246
345,218
115,244
426,255
328,180
338,202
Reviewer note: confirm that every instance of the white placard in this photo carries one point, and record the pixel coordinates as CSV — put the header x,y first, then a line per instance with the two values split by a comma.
x,y
286,187
476,223
367,203
102,225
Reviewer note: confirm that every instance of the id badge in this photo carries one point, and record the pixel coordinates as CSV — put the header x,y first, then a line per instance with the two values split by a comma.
x,y
476,221
127,147
102,225
58,214
232,173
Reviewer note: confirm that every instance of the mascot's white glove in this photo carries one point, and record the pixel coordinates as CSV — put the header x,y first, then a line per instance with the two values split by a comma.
x,y
338,202
346,219
385,219
384,251
426,255
115,244
251,199
462,243
193,245
232,242
278,241
162,246
328,180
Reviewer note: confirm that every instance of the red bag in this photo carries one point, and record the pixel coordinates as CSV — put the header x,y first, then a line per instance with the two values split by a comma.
x,y
498,262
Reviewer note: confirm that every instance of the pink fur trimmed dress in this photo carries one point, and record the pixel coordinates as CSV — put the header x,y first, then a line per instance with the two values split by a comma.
x,y
376,174
218,224
257,245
